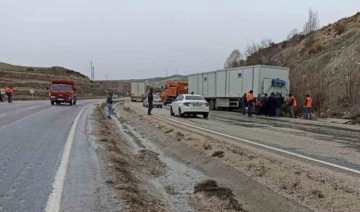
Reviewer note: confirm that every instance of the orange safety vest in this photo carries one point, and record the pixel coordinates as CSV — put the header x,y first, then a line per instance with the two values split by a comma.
x,y
295,103
249,97
9,90
309,102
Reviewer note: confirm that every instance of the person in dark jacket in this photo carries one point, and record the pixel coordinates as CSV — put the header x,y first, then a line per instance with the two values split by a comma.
x,y
150,101
264,101
244,104
279,104
109,102
272,104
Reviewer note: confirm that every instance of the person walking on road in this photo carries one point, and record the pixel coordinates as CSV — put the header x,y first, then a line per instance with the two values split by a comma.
x,y
109,102
250,102
150,101
292,104
9,92
308,106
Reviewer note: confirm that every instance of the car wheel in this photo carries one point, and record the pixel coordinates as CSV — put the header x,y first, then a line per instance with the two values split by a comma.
x,y
171,112
206,115
180,114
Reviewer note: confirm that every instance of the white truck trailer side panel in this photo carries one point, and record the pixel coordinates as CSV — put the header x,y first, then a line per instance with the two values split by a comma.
x,y
141,89
211,84
193,84
220,85
134,88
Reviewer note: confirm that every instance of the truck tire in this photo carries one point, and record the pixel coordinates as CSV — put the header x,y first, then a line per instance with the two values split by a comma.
x,y
52,102
211,104
74,102
172,112
70,103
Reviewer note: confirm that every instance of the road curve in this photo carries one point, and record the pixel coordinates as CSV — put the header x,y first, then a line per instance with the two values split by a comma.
x,y
32,140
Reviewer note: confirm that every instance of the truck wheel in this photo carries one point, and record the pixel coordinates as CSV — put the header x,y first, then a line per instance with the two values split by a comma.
x,y
52,102
70,103
74,103
211,105
206,115
171,112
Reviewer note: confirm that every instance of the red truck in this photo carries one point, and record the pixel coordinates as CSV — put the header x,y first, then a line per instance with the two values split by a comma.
x,y
62,91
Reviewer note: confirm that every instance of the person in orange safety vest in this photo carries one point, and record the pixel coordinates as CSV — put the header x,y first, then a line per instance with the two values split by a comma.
x,y
9,92
250,102
308,106
292,104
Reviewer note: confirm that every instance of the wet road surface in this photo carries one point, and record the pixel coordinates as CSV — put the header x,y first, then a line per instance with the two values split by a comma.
x,y
32,139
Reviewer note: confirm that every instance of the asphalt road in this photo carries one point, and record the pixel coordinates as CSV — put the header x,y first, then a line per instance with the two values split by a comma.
x,y
32,140
333,143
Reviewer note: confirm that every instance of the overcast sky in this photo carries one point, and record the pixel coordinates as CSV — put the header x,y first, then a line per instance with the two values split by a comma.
x,y
128,39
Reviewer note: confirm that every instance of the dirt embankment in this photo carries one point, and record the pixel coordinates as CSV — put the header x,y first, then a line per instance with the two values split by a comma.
x,y
147,181
315,187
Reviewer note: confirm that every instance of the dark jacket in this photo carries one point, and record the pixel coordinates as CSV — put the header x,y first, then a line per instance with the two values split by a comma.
x,y
150,97
109,100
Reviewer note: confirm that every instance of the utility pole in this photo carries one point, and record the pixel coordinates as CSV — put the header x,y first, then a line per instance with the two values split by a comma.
x,y
92,70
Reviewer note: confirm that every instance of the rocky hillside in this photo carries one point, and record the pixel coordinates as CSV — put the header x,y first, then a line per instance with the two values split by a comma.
x,y
324,63
25,78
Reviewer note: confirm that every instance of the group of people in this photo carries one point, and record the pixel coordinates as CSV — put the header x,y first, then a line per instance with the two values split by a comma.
x,y
273,105
9,91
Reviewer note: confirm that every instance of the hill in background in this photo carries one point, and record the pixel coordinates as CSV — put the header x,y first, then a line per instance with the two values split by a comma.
x,y
25,78
324,63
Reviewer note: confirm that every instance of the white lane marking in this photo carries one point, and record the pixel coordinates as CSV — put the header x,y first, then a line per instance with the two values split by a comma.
x,y
26,117
261,145
53,204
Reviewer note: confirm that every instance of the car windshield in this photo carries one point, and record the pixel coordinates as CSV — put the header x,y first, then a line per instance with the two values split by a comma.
x,y
61,88
194,98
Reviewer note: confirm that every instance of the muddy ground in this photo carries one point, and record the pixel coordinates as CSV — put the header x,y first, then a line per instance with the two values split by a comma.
x,y
314,187
146,180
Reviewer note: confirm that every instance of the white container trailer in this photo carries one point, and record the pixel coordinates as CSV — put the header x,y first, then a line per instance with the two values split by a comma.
x,y
225,88
138,91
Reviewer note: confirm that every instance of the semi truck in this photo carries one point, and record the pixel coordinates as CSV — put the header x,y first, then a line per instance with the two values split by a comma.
x,y
171,90
62,91
138,91
225,88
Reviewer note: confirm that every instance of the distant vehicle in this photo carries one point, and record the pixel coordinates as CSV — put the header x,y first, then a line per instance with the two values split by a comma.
x,y
138,91
189,104
173,89
62,91
156,103
225,88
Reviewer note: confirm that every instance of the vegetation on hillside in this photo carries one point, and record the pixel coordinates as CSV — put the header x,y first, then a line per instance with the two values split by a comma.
x,y
323,62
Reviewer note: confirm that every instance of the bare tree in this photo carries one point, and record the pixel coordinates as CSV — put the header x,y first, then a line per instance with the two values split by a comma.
x,y
292,33
234,60
312,23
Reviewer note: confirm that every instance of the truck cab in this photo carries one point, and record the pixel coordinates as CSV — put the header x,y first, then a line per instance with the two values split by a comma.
x,y
62,91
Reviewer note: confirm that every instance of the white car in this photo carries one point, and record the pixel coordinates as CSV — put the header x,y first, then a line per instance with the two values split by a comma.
x,y
189,104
